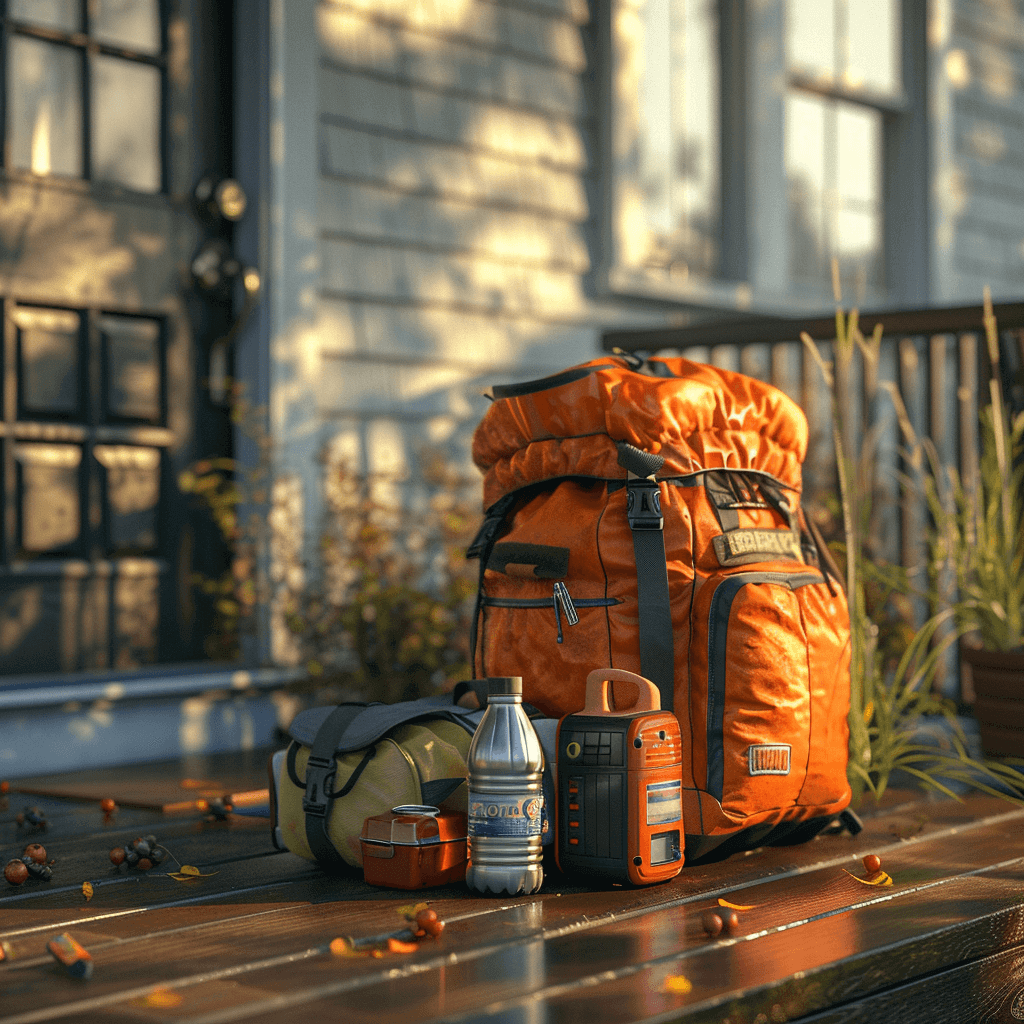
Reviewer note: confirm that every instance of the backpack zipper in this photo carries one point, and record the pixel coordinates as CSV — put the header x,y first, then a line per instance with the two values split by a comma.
x,y
561,600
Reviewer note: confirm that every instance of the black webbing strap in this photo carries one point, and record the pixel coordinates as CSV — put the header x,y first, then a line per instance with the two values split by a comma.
x,y
319,785
643,508
481,547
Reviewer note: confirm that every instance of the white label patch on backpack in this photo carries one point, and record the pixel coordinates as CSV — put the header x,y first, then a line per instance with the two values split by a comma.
x,y
769,758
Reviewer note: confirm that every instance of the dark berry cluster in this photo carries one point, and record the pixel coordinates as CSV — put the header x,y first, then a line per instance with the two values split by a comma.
x,y
141,853
32,817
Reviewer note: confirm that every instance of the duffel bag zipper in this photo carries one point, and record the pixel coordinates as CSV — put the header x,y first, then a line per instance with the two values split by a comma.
x,y
560,600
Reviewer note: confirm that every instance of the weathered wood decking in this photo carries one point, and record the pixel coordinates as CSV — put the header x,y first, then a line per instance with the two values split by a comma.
x,y
249,943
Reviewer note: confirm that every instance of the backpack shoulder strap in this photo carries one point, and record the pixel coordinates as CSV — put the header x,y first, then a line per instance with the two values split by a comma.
x,y
643,507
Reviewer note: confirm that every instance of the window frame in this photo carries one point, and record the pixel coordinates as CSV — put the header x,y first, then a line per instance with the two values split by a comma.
x,y
90,48
754,236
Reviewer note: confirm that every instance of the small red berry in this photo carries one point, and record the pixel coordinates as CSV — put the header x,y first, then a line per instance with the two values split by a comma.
x,y
872,863
117,856
144,864
107,806
16,872
730,922
36,852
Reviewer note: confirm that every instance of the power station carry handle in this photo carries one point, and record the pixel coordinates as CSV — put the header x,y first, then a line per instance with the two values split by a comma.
x,y
648,696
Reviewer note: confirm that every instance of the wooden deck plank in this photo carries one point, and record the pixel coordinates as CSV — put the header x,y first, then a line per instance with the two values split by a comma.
x,y
609,977
168,786
552,919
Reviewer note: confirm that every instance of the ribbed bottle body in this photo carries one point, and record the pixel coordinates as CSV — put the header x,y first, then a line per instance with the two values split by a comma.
x,y
506,799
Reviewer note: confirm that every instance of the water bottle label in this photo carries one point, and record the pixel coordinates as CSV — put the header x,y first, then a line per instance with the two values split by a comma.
x,y
505,817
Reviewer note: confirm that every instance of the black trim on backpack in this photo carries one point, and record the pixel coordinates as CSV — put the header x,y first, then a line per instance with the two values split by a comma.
x,y
482,546
718,623
556,380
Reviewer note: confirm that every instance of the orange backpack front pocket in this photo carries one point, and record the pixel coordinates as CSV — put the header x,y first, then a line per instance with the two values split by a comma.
x,y
759,639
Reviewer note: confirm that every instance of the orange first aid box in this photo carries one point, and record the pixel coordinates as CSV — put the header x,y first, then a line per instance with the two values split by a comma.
x,y
414,846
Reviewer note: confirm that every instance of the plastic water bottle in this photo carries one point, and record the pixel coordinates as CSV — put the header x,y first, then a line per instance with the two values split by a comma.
x,y
506,765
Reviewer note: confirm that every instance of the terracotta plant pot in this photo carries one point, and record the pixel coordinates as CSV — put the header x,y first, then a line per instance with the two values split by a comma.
x,y
999,706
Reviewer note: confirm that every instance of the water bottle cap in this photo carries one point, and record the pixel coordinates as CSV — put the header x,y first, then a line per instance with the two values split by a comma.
x,y
505,686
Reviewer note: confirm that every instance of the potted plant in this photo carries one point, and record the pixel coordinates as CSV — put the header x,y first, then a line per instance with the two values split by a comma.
x,y
978,544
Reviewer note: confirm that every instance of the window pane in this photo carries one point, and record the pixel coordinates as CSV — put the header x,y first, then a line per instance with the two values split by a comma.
x,y
805,151
48,363
133,382
62,14
45,107
679,135
133,489
859,250
858,155
133,24
872,38
48,487
811,37
126,123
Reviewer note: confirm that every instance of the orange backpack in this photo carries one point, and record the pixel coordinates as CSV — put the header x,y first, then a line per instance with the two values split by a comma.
x,y
645,516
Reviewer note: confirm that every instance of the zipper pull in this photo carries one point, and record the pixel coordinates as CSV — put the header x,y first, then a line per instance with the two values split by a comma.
x,y
561,598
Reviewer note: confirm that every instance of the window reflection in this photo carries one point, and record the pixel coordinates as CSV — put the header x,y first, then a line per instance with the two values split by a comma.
x,y
678,135
133,24
133,490
853,43
133,367
126,123
833,173
62,14
50,514
48,362
44,107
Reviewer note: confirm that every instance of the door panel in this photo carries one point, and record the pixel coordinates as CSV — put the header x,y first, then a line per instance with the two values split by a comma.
x,y
113,110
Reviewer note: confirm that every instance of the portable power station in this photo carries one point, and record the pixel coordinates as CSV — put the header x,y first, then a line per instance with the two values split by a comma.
x,y
619,800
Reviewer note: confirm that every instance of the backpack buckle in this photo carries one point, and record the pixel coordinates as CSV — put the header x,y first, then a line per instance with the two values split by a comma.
x,y
643,505
319,783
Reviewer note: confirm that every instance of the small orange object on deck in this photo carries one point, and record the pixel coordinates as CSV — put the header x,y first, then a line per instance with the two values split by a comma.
x,y
74,957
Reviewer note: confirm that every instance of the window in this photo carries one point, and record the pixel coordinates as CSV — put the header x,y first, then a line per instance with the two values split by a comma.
x,y
749,145
83,456
843,69
666,147
85,84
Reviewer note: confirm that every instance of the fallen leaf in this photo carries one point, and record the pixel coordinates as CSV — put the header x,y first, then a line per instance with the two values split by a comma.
x,y
398,946
159,998
735,906
87,891
376,953
410,910
188,872
878,878
678,984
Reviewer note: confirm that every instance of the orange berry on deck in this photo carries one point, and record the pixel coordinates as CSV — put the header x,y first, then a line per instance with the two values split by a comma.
x,y
107,806
872,863
16,872
713,923
117,856
730,922
36,852
144,864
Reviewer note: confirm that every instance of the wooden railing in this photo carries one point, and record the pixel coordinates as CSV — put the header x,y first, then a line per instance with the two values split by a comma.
x,y
936,357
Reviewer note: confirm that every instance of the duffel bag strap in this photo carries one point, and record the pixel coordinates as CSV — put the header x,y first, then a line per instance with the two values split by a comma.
x,y
319,796
643,508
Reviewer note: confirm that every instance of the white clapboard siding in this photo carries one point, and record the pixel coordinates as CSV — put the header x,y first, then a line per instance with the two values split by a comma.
x,y
454,163
415,57
538,32
447,171
431,115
